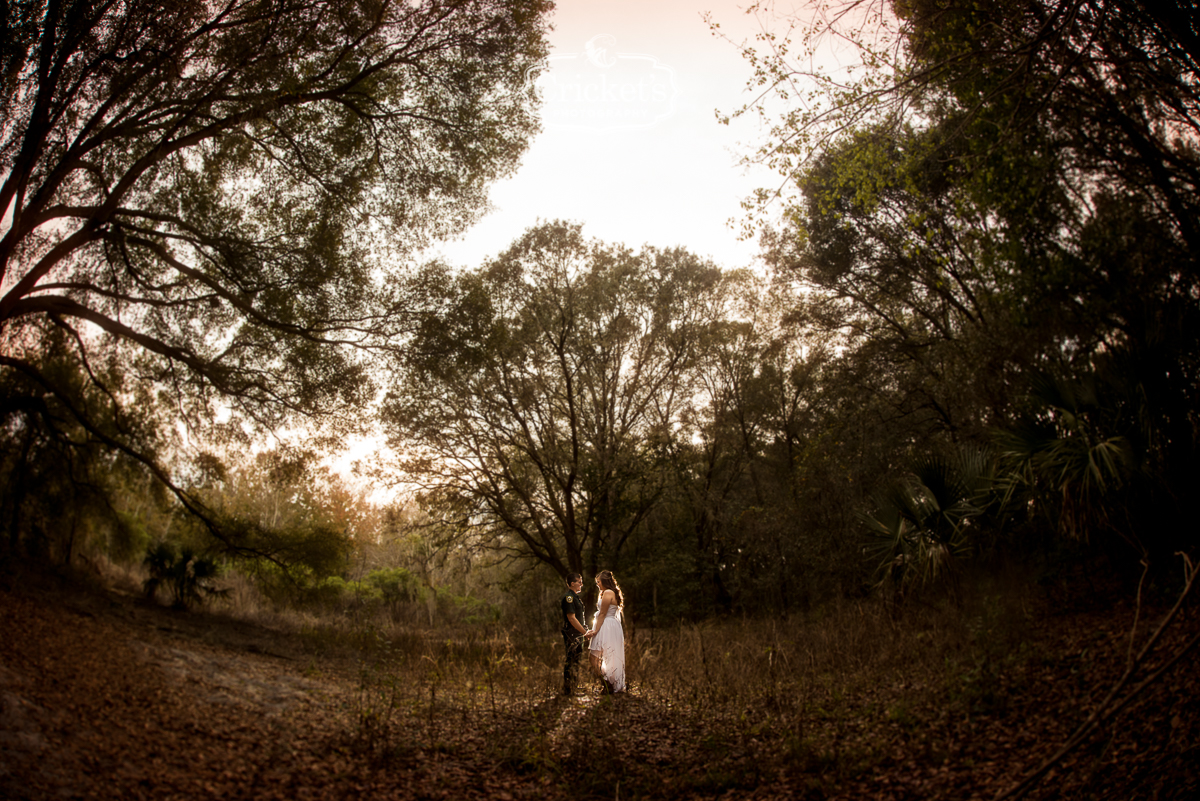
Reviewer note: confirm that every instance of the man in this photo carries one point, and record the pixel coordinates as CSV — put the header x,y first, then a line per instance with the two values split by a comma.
x,y
573,629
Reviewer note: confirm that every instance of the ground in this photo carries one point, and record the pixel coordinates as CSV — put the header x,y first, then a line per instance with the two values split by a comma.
x,y
104,696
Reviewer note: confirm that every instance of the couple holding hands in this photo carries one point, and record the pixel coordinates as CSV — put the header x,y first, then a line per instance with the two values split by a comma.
x,y
606,637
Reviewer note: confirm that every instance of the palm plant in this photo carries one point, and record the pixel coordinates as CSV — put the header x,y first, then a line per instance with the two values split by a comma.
x,y
922,523
1066,458
186,575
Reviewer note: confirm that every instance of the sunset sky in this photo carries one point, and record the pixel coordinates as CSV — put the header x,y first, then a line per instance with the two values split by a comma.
x,y
631,146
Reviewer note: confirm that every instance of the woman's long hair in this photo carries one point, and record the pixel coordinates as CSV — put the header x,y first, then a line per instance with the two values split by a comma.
x,y
609,582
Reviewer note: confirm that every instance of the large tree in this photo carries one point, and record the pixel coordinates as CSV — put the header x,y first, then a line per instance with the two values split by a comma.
x,y
1010,186
1113,79
215,197
544,390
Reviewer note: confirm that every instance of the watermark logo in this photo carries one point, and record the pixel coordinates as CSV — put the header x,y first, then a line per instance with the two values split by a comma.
x,y
601,89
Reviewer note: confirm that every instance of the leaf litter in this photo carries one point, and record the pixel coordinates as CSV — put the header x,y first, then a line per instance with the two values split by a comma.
x,y
102,697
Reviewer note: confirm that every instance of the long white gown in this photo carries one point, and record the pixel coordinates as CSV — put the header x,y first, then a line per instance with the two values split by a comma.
x,y
609,641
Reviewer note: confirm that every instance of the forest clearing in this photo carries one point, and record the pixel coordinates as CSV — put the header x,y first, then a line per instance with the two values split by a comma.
x,y
104,696
895,504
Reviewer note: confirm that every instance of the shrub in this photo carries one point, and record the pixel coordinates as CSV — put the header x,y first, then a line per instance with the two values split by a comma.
x,y
186,575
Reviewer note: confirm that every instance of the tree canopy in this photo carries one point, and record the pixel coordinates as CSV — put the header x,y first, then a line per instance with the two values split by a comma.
x,y
216,198
545,389
997,213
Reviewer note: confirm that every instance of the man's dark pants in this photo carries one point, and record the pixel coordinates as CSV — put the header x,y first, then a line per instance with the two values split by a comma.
x,y
573,641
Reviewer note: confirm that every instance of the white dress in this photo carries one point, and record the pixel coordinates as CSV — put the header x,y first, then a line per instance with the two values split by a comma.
x,y
609,641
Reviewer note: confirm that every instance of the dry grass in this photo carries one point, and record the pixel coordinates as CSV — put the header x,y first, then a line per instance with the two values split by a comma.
x,y
847,647
746,696
849,701
937,699
950,697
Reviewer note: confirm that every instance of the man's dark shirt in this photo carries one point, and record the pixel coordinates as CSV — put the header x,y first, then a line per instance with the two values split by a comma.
x,y
572,603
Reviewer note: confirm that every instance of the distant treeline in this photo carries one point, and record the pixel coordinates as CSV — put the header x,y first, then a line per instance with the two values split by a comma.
x,y
976,337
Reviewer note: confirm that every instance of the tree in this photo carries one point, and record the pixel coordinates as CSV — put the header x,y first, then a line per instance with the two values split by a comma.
x,y
296,514
65,494
1114,82
544,389
925,272
216,196
989,141
735,461
1010,189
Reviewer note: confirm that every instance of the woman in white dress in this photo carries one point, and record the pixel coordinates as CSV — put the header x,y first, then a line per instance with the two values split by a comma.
x,y
607,636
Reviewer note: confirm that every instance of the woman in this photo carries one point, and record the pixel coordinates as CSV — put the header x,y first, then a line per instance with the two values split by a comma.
x,y
607,637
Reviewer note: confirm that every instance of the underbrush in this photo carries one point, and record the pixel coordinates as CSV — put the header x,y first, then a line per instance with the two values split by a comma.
x,y
947,694
943,697
717,705
812,700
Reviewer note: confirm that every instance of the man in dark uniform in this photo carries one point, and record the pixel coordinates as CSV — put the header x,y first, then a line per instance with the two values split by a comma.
x,y
573,628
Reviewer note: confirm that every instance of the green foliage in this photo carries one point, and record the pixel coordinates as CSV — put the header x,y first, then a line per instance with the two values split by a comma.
x,y
1101,456
398,596
466,608
1003,191
395,585
288,521
289,553
543,390
1065,448
129,540
64,493
212,202
927,522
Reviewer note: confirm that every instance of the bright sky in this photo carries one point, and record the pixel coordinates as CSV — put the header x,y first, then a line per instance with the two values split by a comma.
x,y
631,146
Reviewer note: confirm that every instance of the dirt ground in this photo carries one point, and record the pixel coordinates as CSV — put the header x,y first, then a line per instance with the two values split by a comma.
x,y
105,697
102,696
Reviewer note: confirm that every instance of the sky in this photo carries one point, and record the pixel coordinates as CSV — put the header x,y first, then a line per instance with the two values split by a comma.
x,y
631,146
